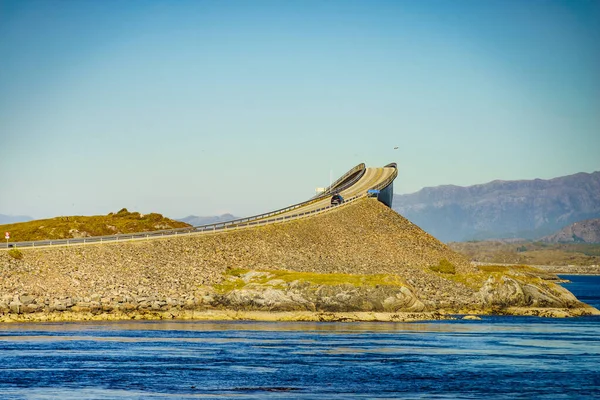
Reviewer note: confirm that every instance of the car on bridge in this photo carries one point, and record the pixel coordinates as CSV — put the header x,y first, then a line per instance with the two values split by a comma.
x,y
336,199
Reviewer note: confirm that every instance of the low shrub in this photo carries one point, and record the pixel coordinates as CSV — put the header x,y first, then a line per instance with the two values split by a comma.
x,y
445,267
15,253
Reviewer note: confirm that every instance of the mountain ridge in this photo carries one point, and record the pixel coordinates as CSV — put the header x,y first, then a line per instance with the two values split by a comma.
x,y
195,220
587,231
503,209
13,219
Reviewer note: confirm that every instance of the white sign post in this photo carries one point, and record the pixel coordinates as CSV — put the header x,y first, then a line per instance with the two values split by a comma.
x,y
6,236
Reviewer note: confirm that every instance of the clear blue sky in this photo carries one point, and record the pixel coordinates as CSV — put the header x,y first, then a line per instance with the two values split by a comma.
x,y
206,107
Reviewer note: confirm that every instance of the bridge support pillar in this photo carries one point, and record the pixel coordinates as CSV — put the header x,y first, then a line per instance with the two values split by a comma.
x,y
386,195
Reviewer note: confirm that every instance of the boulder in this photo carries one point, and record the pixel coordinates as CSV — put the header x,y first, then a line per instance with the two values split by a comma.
x,y
510,292
26,299
15,306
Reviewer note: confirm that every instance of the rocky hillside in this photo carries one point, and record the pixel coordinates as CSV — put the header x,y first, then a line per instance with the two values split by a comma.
x,y
525,209
359,257
85,226
587,231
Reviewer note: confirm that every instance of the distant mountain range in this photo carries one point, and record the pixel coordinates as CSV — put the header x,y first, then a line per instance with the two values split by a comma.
x,y
194,220
528,209
12,219
587,231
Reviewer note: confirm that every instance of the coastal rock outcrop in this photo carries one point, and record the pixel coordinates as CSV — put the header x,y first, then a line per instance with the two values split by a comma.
x,y
298,295
508,291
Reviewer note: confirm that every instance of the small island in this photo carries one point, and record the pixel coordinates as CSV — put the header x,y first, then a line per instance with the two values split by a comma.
x,y
358,262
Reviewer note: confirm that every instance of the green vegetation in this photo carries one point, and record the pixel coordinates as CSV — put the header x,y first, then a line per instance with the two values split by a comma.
x,y
492,268
523,273
532,253
16,254
234,281
97,225
445,267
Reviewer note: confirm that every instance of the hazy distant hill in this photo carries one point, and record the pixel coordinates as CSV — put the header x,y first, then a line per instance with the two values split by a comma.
x,y
587,231
502,209
11,219
194,220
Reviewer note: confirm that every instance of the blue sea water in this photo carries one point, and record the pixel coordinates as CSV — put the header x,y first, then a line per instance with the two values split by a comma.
x,y
497,357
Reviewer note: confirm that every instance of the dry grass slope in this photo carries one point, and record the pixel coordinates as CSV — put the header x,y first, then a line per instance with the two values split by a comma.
x,y
85,226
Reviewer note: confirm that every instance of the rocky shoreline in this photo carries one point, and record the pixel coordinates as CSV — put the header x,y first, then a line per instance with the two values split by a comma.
x,y
286,316
228,315
290,296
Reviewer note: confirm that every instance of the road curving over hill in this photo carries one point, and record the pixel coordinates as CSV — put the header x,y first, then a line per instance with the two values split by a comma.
x,y
353,185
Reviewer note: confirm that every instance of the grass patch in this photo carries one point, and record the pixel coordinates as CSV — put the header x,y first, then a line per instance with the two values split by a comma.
x,y
237,271
96,225
230,284
338,279
445,267
474,281
16,254
492,268
522,273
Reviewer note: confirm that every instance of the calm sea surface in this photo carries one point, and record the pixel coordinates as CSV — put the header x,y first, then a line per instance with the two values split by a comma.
x,y
498,357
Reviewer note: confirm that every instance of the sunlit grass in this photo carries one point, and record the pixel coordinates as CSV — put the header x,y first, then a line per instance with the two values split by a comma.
x,y
96,225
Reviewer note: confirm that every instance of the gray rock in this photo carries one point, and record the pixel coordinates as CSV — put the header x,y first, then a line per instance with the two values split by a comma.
x,y
15,307
247,277
31,308
507,292
26,299
510,292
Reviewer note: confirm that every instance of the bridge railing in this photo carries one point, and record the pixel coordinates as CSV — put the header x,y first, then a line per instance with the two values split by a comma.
x,y
359,168
354,170
219,227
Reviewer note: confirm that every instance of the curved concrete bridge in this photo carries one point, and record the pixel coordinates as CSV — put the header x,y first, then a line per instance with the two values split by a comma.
x,y
353,185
